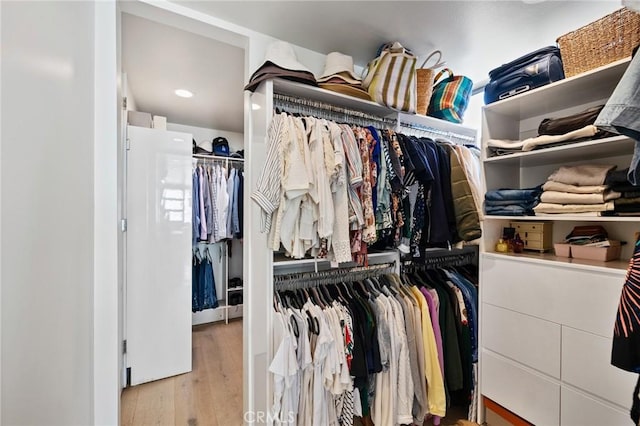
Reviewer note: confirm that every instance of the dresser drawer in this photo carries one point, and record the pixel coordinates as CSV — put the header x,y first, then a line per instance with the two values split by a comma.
x,y
538,227
534,245
582,299
526,393
579,409
532,341
586,364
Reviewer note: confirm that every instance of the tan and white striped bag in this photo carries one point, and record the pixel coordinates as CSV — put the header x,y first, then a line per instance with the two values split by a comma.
x,y
390,78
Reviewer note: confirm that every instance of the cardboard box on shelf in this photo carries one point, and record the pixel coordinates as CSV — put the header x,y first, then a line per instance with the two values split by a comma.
x,y
604,254
562,249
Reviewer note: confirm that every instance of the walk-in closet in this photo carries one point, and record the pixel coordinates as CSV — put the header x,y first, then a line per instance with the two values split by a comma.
x,y
354,213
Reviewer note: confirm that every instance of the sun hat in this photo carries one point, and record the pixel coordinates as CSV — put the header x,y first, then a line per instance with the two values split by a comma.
x,y
203,148
339,64
281,53
281,62
355,91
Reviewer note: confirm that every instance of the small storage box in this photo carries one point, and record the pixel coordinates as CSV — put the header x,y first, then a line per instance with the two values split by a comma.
x,y
537,236
562,249
597,253
140,119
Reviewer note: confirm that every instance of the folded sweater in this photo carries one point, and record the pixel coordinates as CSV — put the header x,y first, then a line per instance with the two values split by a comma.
x,y
586,174
573,208
571,198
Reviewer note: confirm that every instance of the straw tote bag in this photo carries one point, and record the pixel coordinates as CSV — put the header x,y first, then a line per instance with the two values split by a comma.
x,y
424,83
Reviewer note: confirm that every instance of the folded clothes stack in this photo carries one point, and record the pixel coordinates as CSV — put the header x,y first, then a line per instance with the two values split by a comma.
x,y
628,204
553,132
512,202
578,190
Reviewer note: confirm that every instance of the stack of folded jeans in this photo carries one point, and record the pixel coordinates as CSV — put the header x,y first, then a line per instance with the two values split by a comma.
x,y
628,204
578,190
512,202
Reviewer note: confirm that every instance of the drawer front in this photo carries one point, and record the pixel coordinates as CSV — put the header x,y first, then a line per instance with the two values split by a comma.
x,y
586,364
579,409
531,341
538,227
531,236
537,245
527,394
582,299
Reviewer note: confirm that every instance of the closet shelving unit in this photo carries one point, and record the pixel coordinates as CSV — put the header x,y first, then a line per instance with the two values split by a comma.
x,y
232,311
260,265
547,321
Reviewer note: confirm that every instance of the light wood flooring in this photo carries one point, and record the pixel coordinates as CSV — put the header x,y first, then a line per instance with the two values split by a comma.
x,y
211,395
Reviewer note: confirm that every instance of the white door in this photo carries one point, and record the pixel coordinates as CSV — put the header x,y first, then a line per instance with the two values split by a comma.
x,y
158,267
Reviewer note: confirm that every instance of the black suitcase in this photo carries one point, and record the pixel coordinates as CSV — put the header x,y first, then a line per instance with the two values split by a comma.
x,y
528,72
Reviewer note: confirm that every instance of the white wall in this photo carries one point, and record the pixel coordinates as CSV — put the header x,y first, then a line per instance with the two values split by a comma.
x,y
201,134
47,212
107,333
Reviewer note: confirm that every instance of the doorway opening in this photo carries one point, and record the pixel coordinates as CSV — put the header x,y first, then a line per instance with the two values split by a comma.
x,y
181,307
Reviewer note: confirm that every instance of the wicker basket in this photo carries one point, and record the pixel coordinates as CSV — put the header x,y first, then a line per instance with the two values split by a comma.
x,y
601,42
424,89
424,80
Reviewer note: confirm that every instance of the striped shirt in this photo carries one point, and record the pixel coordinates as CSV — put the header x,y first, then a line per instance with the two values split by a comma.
x,y
267,192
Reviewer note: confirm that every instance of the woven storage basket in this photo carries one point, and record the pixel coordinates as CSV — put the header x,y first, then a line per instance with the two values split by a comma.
x,y
601,42
424,80
424,83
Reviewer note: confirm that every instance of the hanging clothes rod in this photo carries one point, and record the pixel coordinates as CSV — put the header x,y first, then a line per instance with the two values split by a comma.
x,y
217,157
438,132
443,258
331,276
319,109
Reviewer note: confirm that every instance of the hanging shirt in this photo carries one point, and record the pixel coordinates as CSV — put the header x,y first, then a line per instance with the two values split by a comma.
x,y
195,207
267,193
213,183
223,202
231,182
208,207
235,215
203,217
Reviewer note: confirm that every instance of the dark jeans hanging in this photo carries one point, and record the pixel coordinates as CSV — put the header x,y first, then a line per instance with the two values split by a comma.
x,y
203,289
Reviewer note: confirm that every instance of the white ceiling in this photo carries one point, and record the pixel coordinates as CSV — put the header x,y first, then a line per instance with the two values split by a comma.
x,y
475,37
159,59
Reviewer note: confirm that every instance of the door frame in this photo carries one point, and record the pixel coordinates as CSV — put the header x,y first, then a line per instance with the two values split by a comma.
x,y
180,17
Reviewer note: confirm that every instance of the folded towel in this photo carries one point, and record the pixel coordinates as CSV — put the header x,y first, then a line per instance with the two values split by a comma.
x,y
586,174
573,208
551,185
571,198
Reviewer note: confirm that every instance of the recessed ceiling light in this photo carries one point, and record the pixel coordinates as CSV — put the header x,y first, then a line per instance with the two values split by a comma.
x,y
183,93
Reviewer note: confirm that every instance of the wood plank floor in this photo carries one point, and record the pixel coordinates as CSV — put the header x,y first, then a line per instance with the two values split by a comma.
x,y
211,395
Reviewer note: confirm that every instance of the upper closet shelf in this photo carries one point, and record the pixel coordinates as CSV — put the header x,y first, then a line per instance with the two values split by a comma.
x,y
587,87
598,148
304,91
